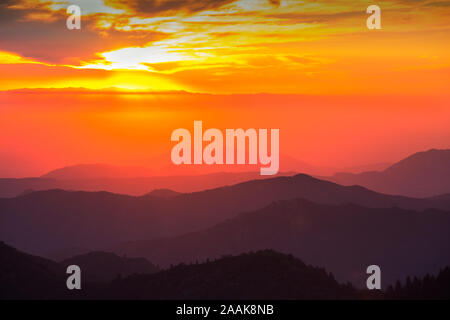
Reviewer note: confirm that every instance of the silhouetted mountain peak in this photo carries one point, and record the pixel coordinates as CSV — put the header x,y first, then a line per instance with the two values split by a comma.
x,y
422,174
433,160
163,193
263,274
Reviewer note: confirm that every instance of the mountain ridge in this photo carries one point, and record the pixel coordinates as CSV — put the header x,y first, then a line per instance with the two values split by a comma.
x,y
54,218
344,238
422,174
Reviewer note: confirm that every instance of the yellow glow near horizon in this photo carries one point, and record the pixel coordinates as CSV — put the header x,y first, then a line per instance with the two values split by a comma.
x,y
12,58
126,81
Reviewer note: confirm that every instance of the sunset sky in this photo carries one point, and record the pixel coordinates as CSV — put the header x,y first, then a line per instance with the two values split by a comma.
x,y
341,94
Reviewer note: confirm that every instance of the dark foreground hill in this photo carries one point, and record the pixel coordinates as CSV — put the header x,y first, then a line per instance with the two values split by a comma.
x,y
49,221
422,174
344,239
24,276
264,274
260,275
428,287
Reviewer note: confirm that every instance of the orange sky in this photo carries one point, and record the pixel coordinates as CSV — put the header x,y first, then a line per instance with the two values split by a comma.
x,y
340,93
226,46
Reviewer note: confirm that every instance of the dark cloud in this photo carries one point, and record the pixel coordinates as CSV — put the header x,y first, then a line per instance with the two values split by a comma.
x,y
7,14
275,2
155,7
50,41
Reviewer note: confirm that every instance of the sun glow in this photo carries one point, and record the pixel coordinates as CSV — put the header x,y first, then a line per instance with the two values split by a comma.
x,y
136,58
127,80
